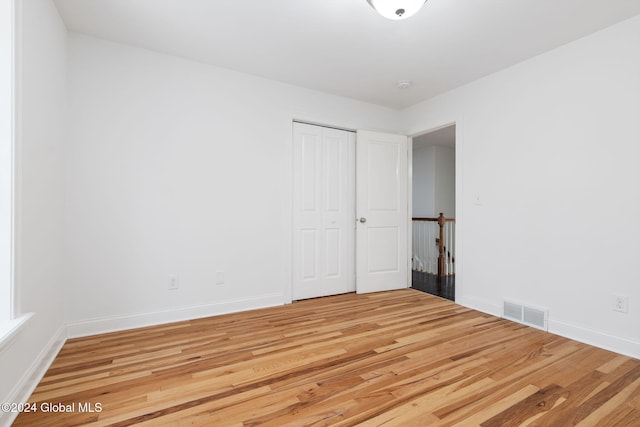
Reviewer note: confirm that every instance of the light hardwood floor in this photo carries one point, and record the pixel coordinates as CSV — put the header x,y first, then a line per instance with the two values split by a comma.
x,y
401,358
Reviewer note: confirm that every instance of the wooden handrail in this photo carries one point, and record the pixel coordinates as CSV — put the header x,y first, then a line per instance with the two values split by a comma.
x,y
433,219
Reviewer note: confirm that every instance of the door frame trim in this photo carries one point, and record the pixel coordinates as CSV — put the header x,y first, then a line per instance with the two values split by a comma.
x,y
409,211
307,122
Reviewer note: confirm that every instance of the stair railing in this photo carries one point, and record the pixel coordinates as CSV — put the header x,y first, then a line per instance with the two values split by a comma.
x,y
439,258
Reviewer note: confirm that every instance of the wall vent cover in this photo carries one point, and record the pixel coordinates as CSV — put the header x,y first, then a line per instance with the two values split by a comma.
x,y
535,317
512,311
525,314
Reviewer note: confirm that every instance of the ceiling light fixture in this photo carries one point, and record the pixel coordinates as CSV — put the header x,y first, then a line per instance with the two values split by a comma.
x,y
397,9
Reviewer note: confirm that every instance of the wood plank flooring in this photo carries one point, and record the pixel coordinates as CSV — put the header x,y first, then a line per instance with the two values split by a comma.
x,y
400,358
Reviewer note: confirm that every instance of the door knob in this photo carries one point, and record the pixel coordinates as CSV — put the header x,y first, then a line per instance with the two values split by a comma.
x,y
363,220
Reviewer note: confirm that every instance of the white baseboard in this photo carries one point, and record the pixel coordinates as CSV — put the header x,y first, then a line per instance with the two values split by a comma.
x,y
480,304
595,338
23,390
118,323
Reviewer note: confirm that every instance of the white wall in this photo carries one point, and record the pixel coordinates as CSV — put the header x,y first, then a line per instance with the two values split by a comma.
x,y
434,181
39,199
423,182
175,167
445,180
550,147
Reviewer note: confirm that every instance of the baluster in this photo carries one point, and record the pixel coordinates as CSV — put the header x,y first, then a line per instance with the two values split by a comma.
x,y
441,263
414,252
453,247
434,248
434,254
448,246
445,246
419,229
451,244
418,245
431,240
420,251
425,243
425,249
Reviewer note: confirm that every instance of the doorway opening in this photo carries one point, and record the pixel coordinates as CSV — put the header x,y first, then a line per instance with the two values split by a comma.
x,y
434,212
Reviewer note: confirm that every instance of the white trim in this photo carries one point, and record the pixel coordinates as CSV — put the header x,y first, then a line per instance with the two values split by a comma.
x,y
129,321
32,377
479,304
312,123
595,338
16,201
9,330
460,221
16,131
288,207
351,252
409,211
7,147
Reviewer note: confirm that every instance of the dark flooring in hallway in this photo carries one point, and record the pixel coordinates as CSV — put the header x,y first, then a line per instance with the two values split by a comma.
x,y
432,284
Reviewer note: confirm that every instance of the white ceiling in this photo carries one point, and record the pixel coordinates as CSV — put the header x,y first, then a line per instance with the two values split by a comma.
x,y
343,46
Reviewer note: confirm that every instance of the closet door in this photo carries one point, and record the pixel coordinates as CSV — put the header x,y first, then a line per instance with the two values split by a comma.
x,y
383,215
324,211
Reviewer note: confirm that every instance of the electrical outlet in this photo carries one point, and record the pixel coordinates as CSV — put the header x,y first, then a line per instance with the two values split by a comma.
x,y
173,282
620,303
219,277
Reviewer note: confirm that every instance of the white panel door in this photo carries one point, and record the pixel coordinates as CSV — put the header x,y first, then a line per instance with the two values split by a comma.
x,y
324,208
382,211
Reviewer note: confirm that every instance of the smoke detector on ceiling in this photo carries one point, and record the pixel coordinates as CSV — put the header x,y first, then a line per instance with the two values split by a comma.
x,y
403,84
